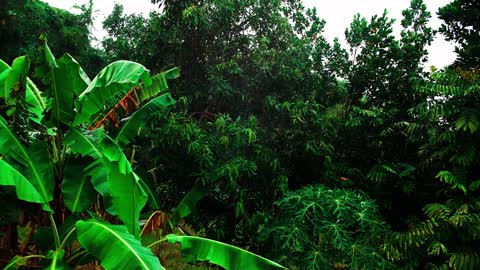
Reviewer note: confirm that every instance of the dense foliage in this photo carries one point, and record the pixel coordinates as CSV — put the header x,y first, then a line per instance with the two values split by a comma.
x,y
314,154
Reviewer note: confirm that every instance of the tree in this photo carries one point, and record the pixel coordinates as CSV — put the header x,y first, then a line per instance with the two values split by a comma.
x,y
232,53
23,21
382,77
461,25
449,120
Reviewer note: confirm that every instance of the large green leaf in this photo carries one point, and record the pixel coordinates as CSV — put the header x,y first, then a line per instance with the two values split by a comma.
x,y
65,80
128,196
115,247
158,85
9,176
36,104
112,175
77,190
109,87
16,78
34,160
187,205
86,145
130,129
196,249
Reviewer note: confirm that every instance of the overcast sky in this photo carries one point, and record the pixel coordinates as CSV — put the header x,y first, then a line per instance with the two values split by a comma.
x,y
338,14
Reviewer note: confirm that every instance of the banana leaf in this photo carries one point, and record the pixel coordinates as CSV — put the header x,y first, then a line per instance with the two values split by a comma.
x,y
25,191
130,129
77,189
85,145
14,77
34,160
115,247
195,249
152,200
158,85
65,80
112,175
187,205
108,88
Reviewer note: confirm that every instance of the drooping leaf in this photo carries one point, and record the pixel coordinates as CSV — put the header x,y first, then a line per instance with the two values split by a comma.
x,y
108,87
77,190
115,247
128,197
188,204
159,84
34,159
9,176
86,145
195,249
130,129
112,175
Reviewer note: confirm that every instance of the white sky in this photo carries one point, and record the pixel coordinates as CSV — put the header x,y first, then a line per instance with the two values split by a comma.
x,y
337,13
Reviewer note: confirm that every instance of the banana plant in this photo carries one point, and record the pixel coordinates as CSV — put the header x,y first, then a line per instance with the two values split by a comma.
x,y
62,148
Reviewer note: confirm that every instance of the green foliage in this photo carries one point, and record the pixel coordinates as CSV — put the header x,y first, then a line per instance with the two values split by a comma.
x,y
231,53
460,24
218,153
321,228
36,164
71,148
23,21
111,242
266,106
227,256
449,235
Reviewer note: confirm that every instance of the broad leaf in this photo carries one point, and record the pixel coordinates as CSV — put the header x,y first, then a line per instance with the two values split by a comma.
x,y
115,247
130,129
196,249
33,98
25,191
108,87
35,160
112,175
159,84
128,197
87,145
77,190
65,79
187,205
16,78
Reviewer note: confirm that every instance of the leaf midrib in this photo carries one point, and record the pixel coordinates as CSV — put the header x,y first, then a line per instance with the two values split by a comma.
x,y
124,242
30,163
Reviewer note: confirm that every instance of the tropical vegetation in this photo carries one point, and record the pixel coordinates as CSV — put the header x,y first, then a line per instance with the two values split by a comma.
x,y
233,135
